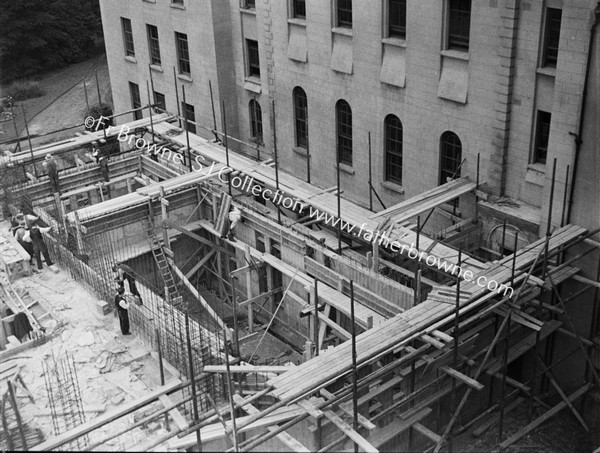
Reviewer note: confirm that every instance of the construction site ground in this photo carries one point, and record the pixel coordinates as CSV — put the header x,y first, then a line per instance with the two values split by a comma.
x,y
112,369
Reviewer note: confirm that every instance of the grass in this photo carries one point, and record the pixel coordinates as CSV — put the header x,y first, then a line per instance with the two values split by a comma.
x,y
21,90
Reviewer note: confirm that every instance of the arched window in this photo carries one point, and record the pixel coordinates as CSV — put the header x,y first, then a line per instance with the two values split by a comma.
x,y
450,156
256,129
343,120
393,149
301,117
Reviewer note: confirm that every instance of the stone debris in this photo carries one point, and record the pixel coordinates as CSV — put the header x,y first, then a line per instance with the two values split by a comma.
x,y
86,339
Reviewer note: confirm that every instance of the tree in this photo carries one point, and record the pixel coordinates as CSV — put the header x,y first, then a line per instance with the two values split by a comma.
x,y
37,35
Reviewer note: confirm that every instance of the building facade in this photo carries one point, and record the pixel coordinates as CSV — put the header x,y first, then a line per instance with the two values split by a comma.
x,y
406,94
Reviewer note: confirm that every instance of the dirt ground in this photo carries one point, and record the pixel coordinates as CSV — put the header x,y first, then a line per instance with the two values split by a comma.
x,y
63,103
112,369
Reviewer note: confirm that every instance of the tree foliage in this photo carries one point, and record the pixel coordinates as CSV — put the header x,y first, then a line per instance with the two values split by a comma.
x,y
37,35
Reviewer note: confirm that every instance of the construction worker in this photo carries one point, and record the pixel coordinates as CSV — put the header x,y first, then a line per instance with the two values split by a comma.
x,y
34,235
122,307
52,168
123,273
19,236
103,162
234,216
14,223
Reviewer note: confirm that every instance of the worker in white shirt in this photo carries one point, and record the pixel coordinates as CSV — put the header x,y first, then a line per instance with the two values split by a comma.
x,y
122,307
235,215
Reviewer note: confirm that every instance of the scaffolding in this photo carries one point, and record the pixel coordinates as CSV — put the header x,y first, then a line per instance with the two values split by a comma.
x,y
394,348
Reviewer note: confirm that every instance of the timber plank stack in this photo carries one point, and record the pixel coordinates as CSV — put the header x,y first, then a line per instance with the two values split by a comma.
x,y
406,326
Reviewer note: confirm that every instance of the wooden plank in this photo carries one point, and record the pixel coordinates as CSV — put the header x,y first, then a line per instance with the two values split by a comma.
x,y
348,431
278,369
179,419
427,432
362,420
379,437
462,377
286,438
432,341
538,421
54,442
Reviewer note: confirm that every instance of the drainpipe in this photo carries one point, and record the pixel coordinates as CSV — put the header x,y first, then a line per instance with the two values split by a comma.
x,y
577,137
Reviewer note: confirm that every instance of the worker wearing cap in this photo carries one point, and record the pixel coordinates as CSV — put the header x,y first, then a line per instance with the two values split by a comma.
x,y
52,168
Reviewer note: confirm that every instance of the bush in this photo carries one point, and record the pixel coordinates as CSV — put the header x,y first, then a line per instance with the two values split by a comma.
x,y
21,90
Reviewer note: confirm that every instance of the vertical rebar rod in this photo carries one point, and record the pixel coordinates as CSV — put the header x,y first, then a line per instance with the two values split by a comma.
x,y
477,190
192,376
87,100
235,317
212,105
339,205
565,197
187,132
224,118
177,97
316,329
230,392
150,110
276,160
307,156
354,366
503,239
370,175
161,368
98,88
418,268
455,335
29,140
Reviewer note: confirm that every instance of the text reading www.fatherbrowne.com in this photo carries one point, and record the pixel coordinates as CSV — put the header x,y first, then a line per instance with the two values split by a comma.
x,y
248,185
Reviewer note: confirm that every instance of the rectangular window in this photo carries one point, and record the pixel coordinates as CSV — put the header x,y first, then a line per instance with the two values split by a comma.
x,y
177,2
253,60
127,37
344,13
183,53
459,24
299,9
542,134
160,102
551,37
397,19
249,4
136,101
189,113
153,44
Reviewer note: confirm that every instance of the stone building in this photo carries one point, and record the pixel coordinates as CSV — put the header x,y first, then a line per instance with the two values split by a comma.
x,y
435,84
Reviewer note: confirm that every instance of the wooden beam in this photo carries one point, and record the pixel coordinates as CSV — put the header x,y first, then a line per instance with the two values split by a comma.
x,y
365,422
179,419
200,263
278,369
198,297
54,442
287,439
260,296
462,377
170,224
587,281
348,431
541,419
427,432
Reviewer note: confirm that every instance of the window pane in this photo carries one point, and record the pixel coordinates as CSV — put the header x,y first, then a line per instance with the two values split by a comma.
x,y
542,136
397,18
250,4
136,102
301,117
552,37
344,132
159,100
127,37
393,149
299,9
451,157
153,45
253,58
256,129
183,54
344,13
459,23
189,113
